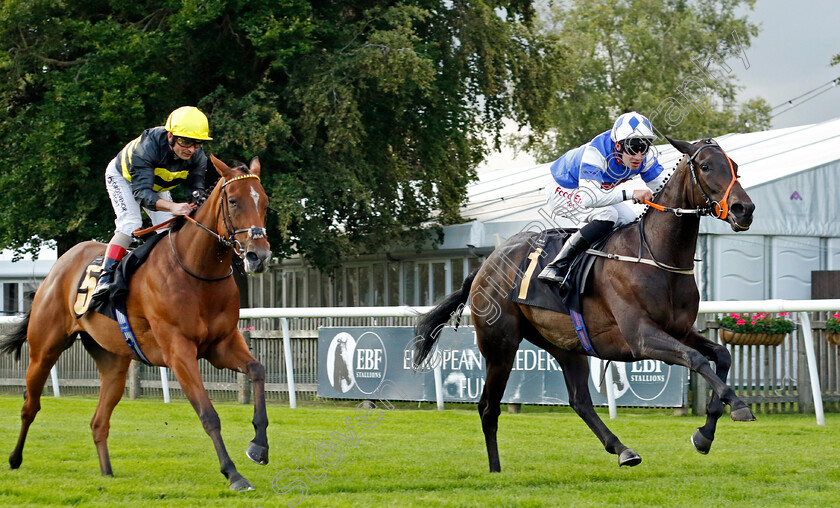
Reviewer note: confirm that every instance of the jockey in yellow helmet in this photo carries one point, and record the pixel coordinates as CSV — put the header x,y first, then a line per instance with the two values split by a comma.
x,y
143,173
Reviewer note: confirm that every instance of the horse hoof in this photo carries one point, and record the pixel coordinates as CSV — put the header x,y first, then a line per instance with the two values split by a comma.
x,y
742,414
629,458
257,453
701,443
241,485
14,462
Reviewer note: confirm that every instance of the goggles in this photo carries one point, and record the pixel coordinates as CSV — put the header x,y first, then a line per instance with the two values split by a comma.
x,y
188,142
635,146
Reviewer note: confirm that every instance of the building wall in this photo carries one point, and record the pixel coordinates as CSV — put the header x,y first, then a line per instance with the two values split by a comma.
x,y
758,267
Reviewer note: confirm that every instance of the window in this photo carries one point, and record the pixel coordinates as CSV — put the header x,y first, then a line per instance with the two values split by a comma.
x,y
439,289
314,280
410,284
393,283
379,285
10,297
365,297
457,273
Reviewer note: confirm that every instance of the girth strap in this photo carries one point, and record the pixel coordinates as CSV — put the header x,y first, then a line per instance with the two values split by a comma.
x,y
128,335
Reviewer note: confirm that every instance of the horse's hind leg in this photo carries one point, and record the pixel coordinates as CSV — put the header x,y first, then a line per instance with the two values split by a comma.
x,y
112,373
499,364
233,354
184,363
703,436
45,346
576,373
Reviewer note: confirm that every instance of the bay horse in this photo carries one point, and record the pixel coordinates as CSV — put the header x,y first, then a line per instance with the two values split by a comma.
x,y
632,311
182,305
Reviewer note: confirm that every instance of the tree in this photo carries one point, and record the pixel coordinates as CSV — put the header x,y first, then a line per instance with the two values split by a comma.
x,y
369,117
668,59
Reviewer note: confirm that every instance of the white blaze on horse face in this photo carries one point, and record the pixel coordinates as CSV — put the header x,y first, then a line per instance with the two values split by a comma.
x,y
256,197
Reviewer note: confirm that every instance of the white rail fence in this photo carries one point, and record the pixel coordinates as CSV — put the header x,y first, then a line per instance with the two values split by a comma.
x,y
305,354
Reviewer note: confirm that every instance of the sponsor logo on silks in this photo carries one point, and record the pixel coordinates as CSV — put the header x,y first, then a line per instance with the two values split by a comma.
x,y
796,196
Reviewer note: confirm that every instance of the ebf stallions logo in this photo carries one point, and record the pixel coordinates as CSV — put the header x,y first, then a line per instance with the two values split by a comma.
x,y
361,362
644,379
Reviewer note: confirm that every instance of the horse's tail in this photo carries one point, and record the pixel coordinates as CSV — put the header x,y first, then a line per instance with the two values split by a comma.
x,y
429,325
13,342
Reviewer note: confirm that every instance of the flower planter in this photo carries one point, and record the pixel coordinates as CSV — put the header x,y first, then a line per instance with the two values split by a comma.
x,y
751,339
833,338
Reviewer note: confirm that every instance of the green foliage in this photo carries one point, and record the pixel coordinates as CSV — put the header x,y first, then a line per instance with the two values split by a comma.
x,y
671,60
369,117
832,324
756,323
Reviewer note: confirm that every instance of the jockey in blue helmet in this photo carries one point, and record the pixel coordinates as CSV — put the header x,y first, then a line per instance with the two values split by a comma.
x,y
586,186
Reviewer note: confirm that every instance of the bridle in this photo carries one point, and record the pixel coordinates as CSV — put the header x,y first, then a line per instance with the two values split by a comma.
x,y
719,209
229,239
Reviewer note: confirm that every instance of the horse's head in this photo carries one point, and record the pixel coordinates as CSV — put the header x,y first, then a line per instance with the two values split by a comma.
x,y
242,207
714,177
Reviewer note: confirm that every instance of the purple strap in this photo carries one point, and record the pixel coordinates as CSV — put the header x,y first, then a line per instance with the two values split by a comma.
x,y
580,328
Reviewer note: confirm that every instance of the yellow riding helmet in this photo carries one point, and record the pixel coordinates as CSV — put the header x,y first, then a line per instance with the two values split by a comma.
x,y
188,122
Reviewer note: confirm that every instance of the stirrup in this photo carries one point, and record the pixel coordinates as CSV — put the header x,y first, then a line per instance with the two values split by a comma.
x,y
552,273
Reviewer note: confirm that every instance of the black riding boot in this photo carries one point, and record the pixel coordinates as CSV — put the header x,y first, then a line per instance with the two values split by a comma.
x,y
103,287
557,270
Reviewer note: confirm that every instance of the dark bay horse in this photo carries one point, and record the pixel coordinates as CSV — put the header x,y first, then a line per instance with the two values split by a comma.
x,y
183,305
632,311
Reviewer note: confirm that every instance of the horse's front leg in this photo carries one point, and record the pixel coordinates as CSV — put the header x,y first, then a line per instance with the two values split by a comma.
x,y
703,437
232,353
652,342
184,363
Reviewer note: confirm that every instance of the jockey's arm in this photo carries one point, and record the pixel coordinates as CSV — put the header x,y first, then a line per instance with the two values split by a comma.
x,y
174,208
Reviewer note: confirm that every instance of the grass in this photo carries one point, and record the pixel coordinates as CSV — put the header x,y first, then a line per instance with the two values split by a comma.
x,y
161,456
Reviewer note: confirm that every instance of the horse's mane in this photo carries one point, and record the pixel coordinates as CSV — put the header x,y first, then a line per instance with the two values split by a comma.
x,y
661,189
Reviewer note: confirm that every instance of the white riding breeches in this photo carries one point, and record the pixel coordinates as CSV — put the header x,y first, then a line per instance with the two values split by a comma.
x,y
568,203
125,206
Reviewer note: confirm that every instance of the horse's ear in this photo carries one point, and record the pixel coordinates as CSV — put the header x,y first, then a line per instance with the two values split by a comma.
x,y
255,166
683,146
222,168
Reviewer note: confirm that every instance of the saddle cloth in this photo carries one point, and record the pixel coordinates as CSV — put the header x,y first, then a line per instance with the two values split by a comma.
x,y
530,290
119,290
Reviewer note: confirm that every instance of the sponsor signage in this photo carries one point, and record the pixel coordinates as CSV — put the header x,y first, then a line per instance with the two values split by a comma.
x,y
355,362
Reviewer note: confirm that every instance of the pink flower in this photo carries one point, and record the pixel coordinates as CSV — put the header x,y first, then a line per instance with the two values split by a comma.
x,y
736,316
753,322
784,313
740,322
837,315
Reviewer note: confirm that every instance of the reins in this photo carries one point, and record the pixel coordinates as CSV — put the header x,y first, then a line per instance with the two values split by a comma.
x,y
229,240
720,209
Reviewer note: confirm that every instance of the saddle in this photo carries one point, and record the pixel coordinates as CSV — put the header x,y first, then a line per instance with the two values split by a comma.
x,y
530,290
106,305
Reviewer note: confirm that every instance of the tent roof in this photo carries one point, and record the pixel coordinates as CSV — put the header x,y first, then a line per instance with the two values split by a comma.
x,y
515,195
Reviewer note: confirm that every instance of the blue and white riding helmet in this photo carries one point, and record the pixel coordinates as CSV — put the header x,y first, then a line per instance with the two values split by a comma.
x,y
632,125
